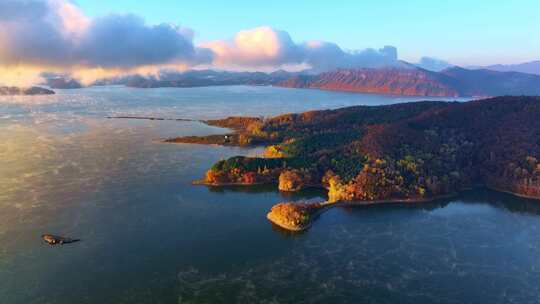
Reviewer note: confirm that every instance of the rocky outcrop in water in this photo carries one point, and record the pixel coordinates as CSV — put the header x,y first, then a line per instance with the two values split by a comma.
x,y
294,216
57,240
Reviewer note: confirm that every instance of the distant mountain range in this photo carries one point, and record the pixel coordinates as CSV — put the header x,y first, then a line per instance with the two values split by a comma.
x,y
532,67
63,83
398,81
403,80
191,78
197,78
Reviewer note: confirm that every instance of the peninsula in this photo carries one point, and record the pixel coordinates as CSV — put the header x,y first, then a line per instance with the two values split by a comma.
x,y
410,152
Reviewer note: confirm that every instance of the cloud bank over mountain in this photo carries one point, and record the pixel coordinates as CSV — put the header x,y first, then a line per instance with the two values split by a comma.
x,y
326,55
56,36
258,47
57,33
268,47
531,67
433,64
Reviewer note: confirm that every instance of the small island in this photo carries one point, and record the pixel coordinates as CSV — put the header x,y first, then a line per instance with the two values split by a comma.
x,y
9,91
410,152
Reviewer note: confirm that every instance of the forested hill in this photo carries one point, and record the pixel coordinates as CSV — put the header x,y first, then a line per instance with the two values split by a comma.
x,y
404,151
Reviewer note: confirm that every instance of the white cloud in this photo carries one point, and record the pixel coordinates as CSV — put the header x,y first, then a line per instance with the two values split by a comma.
x,y
55,34
433,64
326,55
261,46
265,46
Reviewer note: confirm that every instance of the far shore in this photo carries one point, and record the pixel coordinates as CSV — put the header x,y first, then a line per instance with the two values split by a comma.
x,y
202,182
152,118
325,206
513,193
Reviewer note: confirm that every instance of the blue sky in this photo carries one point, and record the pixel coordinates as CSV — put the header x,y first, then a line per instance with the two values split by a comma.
x,y
462,32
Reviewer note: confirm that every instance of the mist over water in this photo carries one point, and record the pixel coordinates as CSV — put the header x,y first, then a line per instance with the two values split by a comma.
x,y
149,236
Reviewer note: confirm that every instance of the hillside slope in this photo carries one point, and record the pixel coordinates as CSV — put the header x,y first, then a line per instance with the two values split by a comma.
x,y
410,81
454,82
531,67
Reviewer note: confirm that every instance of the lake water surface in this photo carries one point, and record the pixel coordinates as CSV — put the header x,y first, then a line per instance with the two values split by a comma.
x,y
149,236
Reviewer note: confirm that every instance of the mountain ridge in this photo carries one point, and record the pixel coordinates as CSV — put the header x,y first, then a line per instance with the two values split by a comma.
x,y
406,79
451,82
530,67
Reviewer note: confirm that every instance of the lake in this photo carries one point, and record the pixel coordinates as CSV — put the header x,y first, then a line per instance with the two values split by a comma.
x,y
149,236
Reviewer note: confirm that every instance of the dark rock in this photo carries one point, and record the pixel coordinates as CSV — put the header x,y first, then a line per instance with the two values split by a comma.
x,y
57,240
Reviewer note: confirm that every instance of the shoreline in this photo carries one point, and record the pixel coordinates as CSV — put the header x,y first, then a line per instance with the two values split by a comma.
x,y
201,182
325,206
536,198
359,91
152,118
339,90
